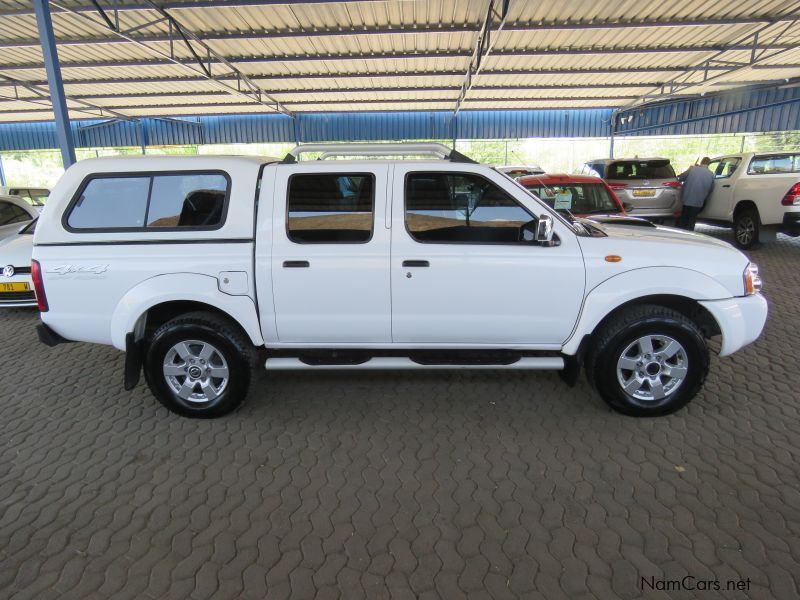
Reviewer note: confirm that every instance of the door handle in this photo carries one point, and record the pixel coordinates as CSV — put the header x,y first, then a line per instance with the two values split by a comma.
x,y
726,185
416,263
296,264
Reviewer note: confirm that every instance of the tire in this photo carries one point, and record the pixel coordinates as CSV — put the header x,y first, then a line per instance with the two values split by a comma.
x,y
657,387
746,228
191,389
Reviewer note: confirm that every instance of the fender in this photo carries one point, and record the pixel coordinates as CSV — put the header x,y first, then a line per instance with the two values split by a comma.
x,y
630,285
185,287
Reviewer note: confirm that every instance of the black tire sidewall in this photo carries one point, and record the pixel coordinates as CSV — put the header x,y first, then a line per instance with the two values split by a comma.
x,y
605,371
171,334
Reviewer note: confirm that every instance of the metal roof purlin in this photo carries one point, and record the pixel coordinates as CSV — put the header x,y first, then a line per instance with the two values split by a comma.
x,y
256,34
759,53
252,91
483,46
42,97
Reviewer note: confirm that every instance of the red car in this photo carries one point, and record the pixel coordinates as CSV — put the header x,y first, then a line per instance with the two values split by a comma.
x,y
580,195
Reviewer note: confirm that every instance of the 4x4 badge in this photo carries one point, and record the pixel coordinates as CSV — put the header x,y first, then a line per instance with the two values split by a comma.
x,y
67,269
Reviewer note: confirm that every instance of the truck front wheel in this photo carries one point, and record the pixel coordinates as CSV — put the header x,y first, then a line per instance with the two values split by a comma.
x,y
199,365
648,361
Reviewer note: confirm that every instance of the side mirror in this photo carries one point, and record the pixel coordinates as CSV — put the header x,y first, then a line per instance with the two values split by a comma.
x,y
544,229
539,231
627,206
22,227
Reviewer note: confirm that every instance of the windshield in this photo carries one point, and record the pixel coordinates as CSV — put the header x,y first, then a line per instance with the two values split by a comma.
x,y
37,199
640,169
576,198
30,228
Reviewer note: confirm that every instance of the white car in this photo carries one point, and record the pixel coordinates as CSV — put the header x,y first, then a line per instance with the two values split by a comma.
x,y
756,193
16,288
15,213
192,264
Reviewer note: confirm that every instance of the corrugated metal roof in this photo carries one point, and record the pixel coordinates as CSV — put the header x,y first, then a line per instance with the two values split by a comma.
x,y
403,54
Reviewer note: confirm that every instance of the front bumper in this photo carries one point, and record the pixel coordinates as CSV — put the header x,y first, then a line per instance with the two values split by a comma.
x,y
740,319
17,299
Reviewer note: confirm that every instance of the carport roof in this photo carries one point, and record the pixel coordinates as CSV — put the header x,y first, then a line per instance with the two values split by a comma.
x,y
184,57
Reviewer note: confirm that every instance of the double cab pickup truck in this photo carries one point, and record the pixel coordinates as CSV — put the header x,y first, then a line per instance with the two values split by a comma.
x,y
757,194
199,268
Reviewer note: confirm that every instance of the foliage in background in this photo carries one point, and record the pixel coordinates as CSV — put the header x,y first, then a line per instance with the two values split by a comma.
x,y
555,155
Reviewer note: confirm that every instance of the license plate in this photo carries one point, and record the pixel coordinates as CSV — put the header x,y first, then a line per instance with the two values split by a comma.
x,y
644,193
15,287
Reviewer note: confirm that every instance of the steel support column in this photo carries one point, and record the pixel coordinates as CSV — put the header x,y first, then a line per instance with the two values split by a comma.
x,y
54,82
2,173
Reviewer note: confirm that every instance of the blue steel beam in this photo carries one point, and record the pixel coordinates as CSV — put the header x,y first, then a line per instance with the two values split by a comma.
x,y
56,86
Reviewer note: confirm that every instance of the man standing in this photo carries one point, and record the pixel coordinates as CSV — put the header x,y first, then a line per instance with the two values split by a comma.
x,y
698,181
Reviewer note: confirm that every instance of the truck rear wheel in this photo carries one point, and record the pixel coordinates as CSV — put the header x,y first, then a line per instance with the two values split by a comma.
x,y
746,228
648,361
199,365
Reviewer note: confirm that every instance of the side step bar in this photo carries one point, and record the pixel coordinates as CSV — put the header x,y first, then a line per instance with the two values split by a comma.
x,y
396,363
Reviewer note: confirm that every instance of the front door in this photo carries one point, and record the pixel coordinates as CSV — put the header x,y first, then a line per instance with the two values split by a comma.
x,y
719,204
330,255
462,276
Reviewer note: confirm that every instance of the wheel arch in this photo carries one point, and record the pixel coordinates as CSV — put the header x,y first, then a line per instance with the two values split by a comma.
x,y
164,297
684,292
744,205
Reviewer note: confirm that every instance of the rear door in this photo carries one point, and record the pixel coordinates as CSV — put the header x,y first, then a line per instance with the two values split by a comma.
x,y
330,254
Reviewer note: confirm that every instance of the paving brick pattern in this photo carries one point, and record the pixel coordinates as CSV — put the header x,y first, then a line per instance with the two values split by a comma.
x,y
410,485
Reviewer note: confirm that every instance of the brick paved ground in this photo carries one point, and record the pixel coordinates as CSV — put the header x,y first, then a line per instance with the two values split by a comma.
x,y
406,485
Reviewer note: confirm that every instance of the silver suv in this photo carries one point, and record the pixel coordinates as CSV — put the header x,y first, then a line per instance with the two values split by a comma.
x,y
647,187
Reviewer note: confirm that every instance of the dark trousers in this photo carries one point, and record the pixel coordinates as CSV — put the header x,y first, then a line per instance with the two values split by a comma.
x,y
688,217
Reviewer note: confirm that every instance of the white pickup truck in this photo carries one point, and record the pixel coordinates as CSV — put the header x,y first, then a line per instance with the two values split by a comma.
x,y
757,193
194,266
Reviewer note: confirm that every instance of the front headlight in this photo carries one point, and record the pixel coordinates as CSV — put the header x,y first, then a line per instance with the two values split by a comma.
x,y
752,280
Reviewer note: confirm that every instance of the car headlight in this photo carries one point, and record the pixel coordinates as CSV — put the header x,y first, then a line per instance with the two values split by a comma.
x,y
752,280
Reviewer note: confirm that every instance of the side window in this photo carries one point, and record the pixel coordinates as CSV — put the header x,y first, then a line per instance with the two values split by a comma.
x,y
181,200
461,208
11,213
111,203
775,163
330,208
726,168
188,200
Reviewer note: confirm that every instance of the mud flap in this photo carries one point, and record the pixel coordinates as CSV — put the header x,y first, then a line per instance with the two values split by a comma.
x,y
134,357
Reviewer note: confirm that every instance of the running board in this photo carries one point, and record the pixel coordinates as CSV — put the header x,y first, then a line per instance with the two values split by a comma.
x,y
398,363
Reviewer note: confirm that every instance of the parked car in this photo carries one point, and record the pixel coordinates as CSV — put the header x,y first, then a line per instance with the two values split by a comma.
x,y
191,264
756,193
33,196
16,288
14,214
648,185
517,171
579,195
